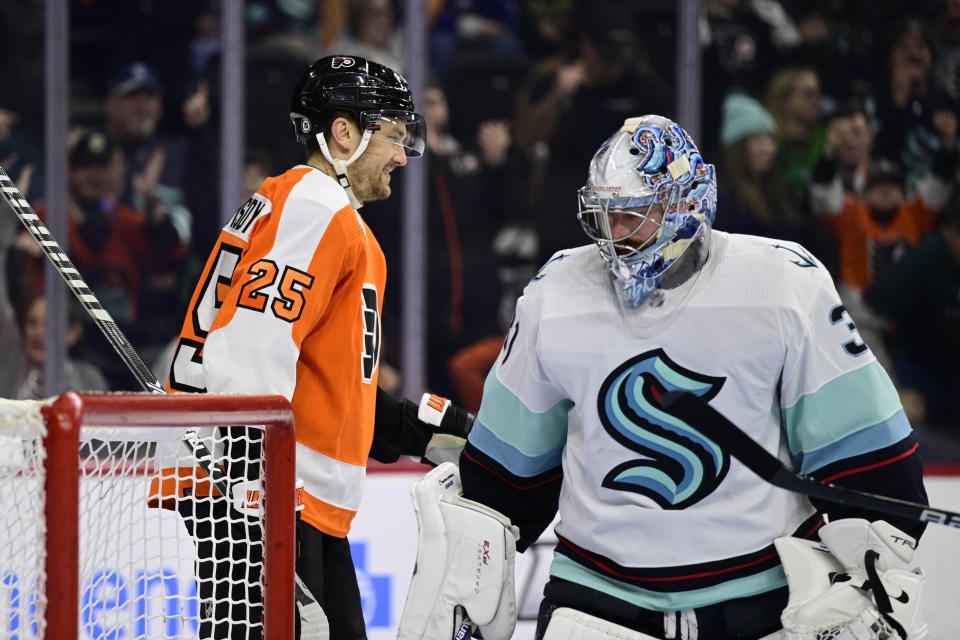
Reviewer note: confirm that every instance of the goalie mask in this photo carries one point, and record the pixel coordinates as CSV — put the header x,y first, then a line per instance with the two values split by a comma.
x,y
649,203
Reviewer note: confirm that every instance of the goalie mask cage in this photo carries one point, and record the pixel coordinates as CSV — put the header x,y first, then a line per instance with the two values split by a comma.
x,y
111,530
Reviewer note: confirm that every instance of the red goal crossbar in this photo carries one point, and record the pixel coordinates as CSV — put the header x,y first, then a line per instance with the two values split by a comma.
x,y
70,411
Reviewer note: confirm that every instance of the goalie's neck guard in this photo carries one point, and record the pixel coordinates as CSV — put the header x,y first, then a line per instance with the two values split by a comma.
x,y
638,288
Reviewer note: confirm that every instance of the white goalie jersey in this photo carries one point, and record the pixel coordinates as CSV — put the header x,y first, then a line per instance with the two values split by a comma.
x,y
651,510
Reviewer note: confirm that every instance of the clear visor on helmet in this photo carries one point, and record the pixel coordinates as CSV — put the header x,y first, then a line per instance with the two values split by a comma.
x,y
404,128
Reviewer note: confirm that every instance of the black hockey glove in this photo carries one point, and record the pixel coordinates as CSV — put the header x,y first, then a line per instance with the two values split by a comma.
x,y
435,431
452,425
444,416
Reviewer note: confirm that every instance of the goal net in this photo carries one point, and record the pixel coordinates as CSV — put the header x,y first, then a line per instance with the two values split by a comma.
x,y
114,526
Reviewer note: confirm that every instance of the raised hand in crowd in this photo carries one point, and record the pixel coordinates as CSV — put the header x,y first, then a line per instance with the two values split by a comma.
x,y
944,122
145,182
196,108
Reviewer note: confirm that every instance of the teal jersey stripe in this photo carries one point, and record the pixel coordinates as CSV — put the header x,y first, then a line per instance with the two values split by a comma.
x,y
515,461
531,434
888,432
855,401
768,580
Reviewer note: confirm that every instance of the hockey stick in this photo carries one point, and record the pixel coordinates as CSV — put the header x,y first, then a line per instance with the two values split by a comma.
x,y
462,624
102,318
713,424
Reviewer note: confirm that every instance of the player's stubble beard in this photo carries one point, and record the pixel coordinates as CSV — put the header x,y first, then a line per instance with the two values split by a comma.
x,y
366,178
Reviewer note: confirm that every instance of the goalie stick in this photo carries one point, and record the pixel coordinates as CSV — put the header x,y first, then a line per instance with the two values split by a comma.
x,y
102,318
713,424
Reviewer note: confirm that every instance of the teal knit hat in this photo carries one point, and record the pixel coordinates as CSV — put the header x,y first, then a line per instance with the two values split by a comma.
x,y
742,117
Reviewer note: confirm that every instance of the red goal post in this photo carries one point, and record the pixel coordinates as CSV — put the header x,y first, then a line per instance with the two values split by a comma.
x,y
93,458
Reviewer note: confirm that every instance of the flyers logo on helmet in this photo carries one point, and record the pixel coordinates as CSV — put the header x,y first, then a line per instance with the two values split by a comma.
x,y
341,61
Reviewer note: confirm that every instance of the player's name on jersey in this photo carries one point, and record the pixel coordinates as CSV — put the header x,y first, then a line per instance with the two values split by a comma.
x,y
245,216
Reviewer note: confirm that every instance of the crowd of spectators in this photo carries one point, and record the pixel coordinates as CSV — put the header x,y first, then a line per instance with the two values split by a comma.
x,y
831,123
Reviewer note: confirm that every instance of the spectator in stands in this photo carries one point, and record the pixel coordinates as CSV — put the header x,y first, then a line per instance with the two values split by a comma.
x,y
874,229
258,165
838,39
371,33
847,150
793,98
475,193
566,108
947,45
473,27
156,165
545,26
129,258
23,338
918,299
915,117
753,196
756,201
19,150
473,189
22,92
741,41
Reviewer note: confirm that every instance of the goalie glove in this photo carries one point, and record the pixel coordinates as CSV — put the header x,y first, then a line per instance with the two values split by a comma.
x,y
861,583
452,424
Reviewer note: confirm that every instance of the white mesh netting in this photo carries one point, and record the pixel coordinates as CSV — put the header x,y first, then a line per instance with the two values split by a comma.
x,y
162,554
22,599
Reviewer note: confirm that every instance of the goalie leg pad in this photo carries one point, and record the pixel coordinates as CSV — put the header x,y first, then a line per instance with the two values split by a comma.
x,y
311,621
570,624
465,558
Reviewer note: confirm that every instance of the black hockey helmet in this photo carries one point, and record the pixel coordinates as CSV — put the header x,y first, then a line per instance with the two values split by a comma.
x,y
369,91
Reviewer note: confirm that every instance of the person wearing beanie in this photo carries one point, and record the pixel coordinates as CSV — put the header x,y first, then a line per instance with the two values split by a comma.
x,y
753,196
743,117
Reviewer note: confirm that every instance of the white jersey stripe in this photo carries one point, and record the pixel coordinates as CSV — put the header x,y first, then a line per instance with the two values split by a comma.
x,y
332,481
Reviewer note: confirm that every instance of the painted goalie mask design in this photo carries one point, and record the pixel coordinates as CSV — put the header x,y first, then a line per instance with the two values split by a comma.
x,y
652,172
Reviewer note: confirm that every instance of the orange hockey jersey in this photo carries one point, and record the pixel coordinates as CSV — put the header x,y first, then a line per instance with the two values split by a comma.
x,y
867,246
289,303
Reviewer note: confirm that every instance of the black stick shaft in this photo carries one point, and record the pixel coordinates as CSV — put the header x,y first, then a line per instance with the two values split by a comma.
x,y
714,425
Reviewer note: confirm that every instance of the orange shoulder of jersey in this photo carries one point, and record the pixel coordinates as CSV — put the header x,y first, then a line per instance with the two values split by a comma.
x,y
289,303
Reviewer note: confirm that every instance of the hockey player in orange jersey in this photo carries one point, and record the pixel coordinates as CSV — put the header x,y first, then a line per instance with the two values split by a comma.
x,y
289,303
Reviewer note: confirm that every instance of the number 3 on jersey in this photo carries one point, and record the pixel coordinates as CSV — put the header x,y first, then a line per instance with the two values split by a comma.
x,y
371,333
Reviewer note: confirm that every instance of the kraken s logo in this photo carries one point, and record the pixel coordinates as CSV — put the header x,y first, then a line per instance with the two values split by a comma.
x,y
681,466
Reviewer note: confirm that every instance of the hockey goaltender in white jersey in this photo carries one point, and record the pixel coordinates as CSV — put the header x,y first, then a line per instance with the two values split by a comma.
x,y
661,533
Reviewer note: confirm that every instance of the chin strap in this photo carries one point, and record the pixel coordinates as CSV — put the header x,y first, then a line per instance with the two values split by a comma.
x,y
340,166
